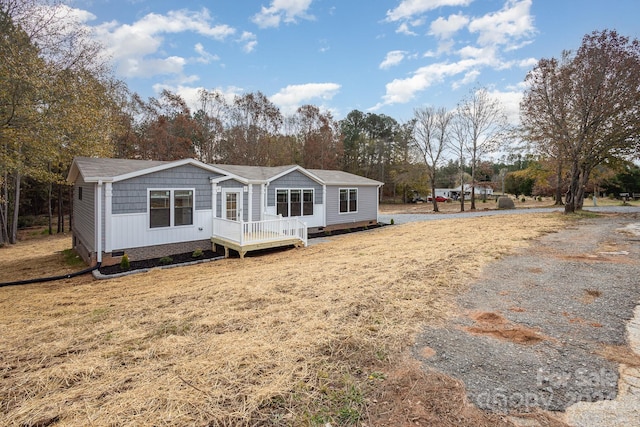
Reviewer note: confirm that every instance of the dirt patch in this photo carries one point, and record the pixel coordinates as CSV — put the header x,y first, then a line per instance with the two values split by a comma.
x,y
495,325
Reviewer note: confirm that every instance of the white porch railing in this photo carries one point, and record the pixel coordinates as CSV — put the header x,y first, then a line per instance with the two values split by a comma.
x,y
271,230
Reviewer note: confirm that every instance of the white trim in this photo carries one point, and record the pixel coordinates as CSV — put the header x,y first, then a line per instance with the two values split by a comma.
x,y
302,190
349,200
108,193
99,222
171,208
223,202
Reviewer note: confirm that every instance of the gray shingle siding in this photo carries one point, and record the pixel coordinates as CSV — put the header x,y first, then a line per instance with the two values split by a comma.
x,y
294,180
130,196
83,213
367,205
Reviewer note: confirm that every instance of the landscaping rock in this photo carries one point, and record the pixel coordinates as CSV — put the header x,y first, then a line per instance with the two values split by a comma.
x,y
505,203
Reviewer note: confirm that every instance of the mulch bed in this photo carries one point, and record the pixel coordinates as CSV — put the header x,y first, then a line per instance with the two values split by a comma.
x,y
158,262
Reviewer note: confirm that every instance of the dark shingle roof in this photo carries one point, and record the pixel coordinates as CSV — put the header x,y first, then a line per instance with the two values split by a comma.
x,y
334,177
91,167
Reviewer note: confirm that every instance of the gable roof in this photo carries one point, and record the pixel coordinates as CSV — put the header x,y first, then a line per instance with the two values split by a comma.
x,y
112,170
335,177
93,169
255,173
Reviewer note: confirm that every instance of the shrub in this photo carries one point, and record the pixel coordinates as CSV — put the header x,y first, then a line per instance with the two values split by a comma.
x,y
539,198
392,221
124,262
523,200
197,253
165,260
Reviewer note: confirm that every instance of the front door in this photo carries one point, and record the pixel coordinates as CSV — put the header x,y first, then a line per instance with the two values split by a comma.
x,y
232,205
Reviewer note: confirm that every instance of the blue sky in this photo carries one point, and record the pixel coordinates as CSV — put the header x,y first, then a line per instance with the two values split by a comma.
x,y
387,57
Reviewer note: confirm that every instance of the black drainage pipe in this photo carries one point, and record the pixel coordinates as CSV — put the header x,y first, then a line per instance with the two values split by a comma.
x,y
52,278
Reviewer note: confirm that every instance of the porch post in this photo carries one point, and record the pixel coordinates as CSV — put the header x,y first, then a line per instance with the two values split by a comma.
x,y
214,193
250,204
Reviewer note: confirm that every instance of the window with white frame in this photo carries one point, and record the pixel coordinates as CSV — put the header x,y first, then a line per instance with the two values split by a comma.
x,y
170,208
348,200
294,202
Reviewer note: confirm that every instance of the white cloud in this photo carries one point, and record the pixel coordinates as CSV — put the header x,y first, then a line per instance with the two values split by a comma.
x,y
404,29
291,97
204,56
446,28
407,9
393,58
528,63
282,10
506,26
401,91
129,45
249,41
510,101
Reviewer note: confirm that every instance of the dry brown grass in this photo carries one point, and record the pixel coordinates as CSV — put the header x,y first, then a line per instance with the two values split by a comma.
x,y
298,337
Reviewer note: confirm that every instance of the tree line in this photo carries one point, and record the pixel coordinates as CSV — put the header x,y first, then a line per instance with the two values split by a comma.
x,y
59,99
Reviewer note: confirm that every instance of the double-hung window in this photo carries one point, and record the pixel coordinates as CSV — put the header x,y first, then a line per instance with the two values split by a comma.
x,y
294,202
169,208
348,200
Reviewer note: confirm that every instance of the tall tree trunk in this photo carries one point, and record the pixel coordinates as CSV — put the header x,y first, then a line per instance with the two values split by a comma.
x,y
49,201
13,236
584,178
4,210
461,184
572,191
60,210
473,184
70,208
432,177
559,184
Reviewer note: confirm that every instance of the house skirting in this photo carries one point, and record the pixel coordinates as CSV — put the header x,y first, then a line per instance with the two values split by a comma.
x,y
158,251
342,226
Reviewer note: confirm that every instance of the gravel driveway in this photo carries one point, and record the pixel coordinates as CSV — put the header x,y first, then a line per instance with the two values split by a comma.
x,y
404,218
530,330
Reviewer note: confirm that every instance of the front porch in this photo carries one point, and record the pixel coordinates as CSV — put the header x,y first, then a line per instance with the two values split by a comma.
x,y
244,237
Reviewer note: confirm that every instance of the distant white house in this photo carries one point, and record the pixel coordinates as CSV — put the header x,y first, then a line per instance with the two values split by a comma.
x,y
455,193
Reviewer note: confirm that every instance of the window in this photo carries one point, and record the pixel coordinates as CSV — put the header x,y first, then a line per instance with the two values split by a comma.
x,y
294,202
307,202
231,208
161,204
348,200
282,207
183,207
79,193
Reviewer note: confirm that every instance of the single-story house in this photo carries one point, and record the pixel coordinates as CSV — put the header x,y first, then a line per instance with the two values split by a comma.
x,y
149,209
480,191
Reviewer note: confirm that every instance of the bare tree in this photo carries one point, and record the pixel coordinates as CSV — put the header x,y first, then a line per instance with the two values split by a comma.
x,y
430,138
586,107
481,126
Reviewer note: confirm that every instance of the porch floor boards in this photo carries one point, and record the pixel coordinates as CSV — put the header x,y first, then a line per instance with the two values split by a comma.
x,y
247,247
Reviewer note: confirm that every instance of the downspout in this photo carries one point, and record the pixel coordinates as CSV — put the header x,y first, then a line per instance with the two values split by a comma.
x,y
324,205
99,224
